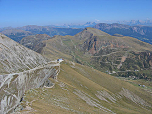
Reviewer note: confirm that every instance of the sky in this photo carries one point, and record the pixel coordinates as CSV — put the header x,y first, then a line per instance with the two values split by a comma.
x,y
51,12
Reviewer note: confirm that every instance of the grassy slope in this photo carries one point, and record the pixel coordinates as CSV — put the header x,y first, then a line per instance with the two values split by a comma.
x,y
63,46
76,89
73,48
51,49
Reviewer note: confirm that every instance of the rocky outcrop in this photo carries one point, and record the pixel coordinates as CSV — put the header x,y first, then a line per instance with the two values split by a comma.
x,y
13,86
133,97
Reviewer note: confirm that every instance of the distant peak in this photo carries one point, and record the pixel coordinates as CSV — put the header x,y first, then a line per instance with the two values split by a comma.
x,y
89,32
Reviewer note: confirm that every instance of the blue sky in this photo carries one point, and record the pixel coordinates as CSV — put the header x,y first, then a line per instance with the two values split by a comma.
x,y
50,12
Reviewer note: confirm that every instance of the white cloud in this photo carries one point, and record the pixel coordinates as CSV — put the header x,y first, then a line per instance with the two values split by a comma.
x,y
97,20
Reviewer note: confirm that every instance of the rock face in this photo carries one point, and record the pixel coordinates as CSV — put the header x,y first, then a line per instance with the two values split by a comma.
x,y
13,86
20,69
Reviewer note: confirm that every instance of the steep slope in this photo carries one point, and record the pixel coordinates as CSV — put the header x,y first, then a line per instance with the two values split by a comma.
x,y
142,33
81,89
102,51
17,58
20,70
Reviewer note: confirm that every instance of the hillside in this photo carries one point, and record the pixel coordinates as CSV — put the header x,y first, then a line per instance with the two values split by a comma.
x,y
140,32
21,69
16,58
72,87
81,89
117,55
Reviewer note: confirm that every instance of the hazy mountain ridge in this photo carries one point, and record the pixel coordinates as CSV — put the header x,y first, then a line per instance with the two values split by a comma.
x,y
137,22
140,32
18,33
87,24
143,33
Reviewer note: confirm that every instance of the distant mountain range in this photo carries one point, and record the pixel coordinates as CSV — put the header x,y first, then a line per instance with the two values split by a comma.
x,y
143,33
67,29
136,22
18,33
91,24
87,24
